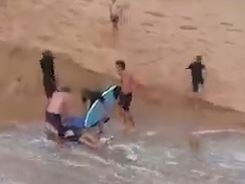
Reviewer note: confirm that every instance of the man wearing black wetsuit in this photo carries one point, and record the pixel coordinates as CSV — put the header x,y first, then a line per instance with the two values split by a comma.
x,y
197,73
47,66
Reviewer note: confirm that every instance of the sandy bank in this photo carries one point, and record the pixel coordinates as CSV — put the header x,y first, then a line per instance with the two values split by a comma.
x,y
22,97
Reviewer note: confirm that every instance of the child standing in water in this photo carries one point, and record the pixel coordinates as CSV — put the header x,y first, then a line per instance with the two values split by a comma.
x,y
126,94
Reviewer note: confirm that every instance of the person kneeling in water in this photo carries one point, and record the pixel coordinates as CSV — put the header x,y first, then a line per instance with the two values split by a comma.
x,y
59,102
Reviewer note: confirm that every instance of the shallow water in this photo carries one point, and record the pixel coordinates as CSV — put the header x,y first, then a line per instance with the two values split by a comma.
x,y
27,157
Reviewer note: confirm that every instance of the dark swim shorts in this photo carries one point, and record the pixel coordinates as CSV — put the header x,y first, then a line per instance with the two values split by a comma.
x,y
55,121
125,101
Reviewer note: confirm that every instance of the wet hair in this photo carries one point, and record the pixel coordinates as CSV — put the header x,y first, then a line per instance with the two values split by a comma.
x,y
199,58
116,92
121,64
48,53
65,89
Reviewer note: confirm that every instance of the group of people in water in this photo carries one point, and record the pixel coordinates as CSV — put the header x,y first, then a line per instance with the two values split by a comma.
x,y
62,124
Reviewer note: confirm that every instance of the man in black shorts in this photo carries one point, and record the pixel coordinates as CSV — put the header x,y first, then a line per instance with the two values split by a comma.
x,y
125,97
47,66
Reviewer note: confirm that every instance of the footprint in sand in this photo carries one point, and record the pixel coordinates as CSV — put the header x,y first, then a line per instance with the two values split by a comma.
x,y
148,24
235,30
201,40
44,38
188,27
229,42
155,14
226,24
73,12
90,1
186,18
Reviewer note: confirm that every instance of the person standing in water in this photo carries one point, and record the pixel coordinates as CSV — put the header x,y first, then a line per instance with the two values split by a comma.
x,y
126,94
115,11
197,69
47,66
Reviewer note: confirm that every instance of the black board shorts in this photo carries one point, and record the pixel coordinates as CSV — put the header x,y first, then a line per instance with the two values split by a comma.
x,y
55,121
125,101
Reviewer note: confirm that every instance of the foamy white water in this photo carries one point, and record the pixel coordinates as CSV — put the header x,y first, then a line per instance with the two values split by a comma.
x,y
26,156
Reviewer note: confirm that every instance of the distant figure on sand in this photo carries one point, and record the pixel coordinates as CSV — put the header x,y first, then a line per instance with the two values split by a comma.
x,y
47,66
125,97
115,13
197,69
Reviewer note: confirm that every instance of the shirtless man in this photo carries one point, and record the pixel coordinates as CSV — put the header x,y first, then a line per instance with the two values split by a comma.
x,y
115,13
59,106
125,97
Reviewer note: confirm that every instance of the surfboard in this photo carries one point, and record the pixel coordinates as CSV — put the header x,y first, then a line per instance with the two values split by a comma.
x,y
98,111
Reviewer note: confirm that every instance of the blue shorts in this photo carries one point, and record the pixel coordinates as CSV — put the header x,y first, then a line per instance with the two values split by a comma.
x,y
75,124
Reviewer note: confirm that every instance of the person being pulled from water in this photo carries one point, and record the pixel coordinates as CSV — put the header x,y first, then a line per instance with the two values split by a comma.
x,y
197,69
125,97
47,66
58,109
115,11
74,125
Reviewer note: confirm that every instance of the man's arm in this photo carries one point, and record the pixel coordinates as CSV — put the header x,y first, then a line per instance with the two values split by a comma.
x,y
189,67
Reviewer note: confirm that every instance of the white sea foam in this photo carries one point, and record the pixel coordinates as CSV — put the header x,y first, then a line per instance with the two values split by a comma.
x,y
203,132
130,154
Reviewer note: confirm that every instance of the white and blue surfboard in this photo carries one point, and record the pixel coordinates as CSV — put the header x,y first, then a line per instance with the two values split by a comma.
x,y
98,111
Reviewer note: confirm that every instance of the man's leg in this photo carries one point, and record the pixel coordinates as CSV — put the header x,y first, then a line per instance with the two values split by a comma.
x,y
201,85
195,85
89,140
129,119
